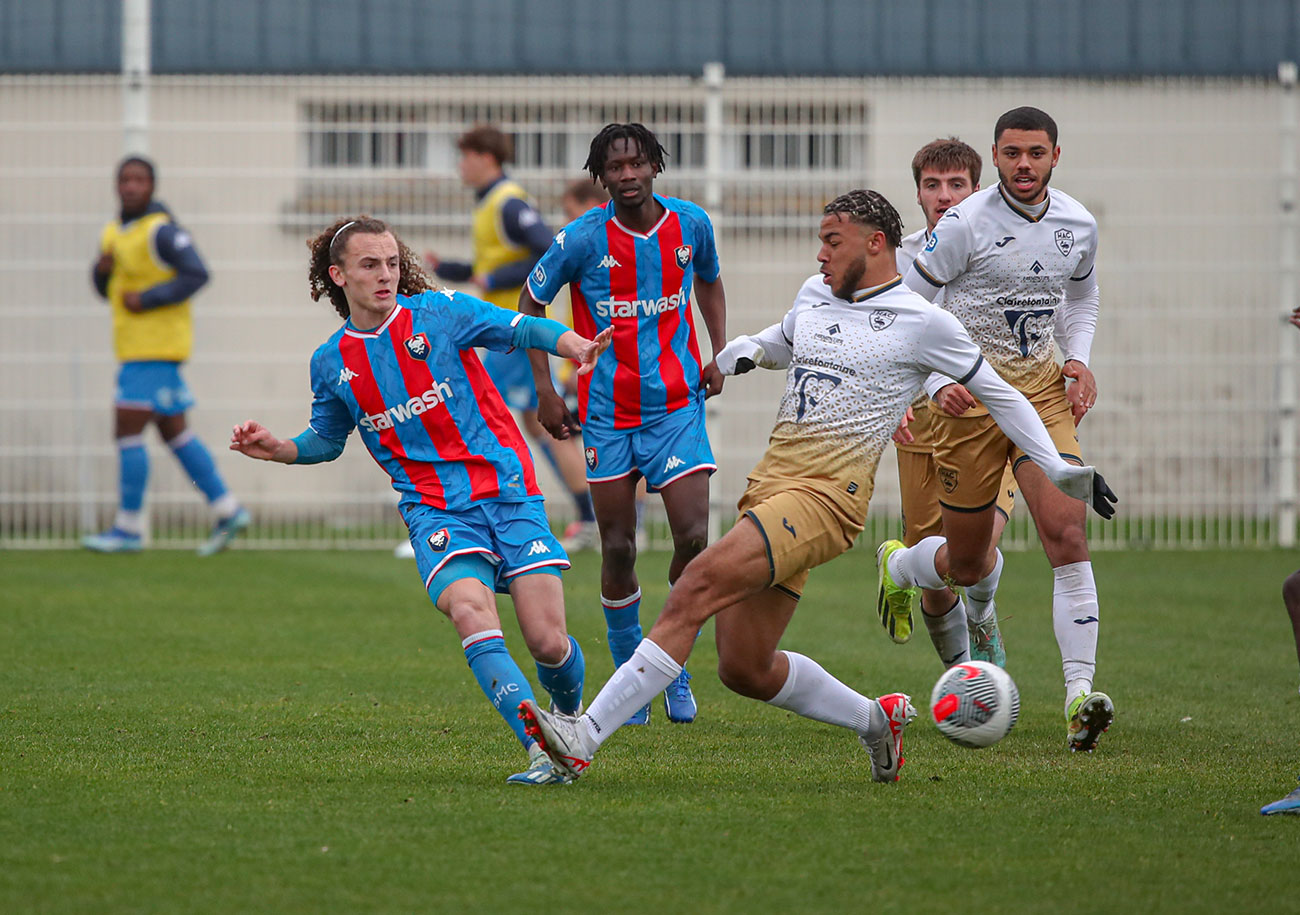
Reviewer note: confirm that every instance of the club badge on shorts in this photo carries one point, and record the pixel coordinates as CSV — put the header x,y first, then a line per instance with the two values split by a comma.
x,y
593,460
438,540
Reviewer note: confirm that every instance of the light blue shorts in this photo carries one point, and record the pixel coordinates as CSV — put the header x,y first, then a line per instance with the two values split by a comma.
x,y
662,452
156,386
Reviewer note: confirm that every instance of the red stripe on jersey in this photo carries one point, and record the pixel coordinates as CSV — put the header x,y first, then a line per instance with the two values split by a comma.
x,y
585,324
671,370
623,288
438,421
366,391
498,417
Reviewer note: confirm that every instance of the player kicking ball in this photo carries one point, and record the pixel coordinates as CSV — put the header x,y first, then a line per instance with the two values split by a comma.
x,y
402,370
852,368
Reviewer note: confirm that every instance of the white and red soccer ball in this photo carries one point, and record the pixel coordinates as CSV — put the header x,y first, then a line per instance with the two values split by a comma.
x,y
975,704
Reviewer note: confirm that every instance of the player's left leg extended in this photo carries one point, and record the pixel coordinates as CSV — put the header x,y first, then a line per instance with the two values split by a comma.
x,y
196,459
1060,521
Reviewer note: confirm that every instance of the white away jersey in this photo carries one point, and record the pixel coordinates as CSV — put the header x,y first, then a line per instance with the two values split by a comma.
x,y
854,367
1004,273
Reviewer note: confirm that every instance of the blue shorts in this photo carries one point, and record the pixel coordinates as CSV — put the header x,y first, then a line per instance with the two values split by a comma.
x,y
662,452
156,386
512,374
494,542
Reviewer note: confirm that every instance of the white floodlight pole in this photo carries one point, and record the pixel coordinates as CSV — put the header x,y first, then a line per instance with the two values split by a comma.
x,y
1288,219
135,76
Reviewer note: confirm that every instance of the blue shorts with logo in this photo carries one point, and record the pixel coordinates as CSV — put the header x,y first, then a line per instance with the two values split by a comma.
x,y
663,451
154,385
494,542
513,376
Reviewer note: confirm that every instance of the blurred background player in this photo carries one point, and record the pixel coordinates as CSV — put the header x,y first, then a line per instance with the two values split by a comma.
x,y
1291,587
852,366
1016,266
579,197
508,236
402,369
631,266
147,269
946,172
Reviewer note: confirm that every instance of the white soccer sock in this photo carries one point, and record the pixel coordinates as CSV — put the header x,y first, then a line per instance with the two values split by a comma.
x,y
1075,619
812,692
979,596
225,506
913,567
131,522
641,677
949,635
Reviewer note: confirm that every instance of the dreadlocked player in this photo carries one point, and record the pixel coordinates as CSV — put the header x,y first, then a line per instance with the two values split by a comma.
x,y
632,264
853,363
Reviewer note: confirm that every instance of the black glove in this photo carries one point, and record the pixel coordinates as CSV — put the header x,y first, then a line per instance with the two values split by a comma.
x,y
1103,497
744,364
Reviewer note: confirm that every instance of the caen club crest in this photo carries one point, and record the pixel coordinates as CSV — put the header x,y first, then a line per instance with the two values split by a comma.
x,y
683,256
438,540
880,319
1064,241
418,346
593,460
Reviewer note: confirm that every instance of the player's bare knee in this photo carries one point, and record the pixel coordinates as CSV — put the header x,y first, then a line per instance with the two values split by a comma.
x,y
746,679
550,646
1291,592
1064,543
618,550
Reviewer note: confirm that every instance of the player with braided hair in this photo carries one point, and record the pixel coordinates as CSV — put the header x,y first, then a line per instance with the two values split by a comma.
x,y
853,364
403,371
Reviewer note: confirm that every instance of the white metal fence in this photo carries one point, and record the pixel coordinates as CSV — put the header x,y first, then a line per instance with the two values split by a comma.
x,y
1192,356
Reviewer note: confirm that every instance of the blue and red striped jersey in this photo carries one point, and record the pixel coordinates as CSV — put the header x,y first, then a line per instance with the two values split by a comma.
x,y
641,285
423,403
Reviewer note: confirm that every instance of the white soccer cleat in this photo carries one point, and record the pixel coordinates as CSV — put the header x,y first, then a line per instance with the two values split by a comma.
x,y
563,738
887,752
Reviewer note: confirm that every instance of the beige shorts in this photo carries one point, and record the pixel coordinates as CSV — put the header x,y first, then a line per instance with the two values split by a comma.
x,y
918,484
972,455
801,529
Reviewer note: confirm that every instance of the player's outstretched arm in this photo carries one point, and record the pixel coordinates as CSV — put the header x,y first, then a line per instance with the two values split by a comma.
x,y
256,441
1022,424
573,345
767,349
551,411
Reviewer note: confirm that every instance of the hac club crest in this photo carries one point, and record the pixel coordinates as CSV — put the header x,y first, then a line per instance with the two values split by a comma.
x,y
593,460
418,346
683,256
1064,241
880,319
438,540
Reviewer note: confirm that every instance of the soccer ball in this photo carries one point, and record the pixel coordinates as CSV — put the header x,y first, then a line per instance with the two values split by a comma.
x,y
975,704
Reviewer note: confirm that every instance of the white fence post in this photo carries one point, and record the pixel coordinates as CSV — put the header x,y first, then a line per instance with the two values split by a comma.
x,y
1286,369
135,76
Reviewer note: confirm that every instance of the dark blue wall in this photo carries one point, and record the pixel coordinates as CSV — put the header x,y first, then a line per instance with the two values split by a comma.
x,y
751,37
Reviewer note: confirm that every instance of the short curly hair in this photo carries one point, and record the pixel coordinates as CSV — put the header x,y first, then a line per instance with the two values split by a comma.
x,y
327,248
869,208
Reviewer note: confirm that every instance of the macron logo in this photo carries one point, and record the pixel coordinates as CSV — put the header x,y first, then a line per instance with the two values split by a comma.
x,y
608,261
538,547
346,375
673,463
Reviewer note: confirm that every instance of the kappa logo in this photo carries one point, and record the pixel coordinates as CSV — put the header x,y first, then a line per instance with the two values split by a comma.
x,y
948,478
539,275
559,239
880,319
1004,242
811,386
538,547
1037,268
1064,241
673,463
608,262
438,540
346,375
593,459
683,255
449,293
418,346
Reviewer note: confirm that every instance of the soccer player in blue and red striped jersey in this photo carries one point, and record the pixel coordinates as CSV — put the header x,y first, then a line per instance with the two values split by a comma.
x,y
402,370
631,267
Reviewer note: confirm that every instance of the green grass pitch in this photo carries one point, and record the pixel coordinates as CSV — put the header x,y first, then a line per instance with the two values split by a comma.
x,y
298,732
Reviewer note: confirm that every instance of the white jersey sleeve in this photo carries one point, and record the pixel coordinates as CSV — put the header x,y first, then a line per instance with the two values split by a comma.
x,y
947,254
770,348
946,348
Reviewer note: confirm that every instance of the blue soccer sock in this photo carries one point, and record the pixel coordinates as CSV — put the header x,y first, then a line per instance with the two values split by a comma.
x,y
499,677
132,478
623,625
586,511
197,461
564,680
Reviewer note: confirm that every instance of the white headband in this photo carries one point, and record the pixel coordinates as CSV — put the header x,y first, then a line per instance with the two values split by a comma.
x,y
340,231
